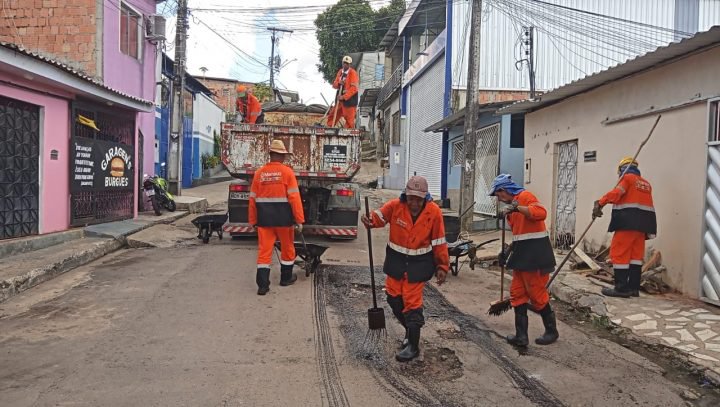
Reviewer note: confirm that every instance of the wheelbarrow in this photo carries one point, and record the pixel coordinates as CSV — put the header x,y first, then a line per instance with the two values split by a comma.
x,y
209,224
461,248
310,254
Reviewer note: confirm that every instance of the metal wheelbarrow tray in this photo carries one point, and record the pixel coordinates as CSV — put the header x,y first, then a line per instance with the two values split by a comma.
x,y
462,248
311,256
209,224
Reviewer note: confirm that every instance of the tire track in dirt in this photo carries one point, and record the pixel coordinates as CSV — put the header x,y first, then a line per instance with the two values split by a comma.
x,y
324,350
477,332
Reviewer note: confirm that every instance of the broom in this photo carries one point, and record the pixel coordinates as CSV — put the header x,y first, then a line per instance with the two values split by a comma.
x,y
500,307
376,316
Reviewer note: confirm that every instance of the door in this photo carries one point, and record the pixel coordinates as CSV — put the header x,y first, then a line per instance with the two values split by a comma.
x,y
19,168
487,163
565,194
710,272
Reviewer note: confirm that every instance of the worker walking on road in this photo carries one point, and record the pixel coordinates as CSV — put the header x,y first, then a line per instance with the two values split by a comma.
x,y
633,221
275,208
530,256
346,82
415,252
249,106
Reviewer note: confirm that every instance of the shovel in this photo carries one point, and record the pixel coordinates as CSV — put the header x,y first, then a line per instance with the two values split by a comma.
x,y
376,316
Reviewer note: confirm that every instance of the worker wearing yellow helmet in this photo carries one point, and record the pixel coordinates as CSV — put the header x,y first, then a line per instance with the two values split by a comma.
x,y
633,221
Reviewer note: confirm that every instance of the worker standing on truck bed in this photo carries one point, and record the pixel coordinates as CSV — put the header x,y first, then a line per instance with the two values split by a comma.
x,y
249,106
416,251
275,207
633,221
346,82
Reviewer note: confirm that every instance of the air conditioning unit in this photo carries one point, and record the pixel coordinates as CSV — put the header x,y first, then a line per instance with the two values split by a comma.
x,y
155,28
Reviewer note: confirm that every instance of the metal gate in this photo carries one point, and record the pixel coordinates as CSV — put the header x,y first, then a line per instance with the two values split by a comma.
x,y
96,204
710,281
565,194
19,168
487,164
426,108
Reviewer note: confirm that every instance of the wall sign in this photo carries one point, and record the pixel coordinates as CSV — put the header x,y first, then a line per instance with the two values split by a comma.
x,y
590,156
334,155
101,165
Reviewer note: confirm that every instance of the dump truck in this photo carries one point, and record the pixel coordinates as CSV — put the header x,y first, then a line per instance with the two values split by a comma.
x,y
325,160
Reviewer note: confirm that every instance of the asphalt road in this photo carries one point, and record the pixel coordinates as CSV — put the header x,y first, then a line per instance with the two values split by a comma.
x,y
182,326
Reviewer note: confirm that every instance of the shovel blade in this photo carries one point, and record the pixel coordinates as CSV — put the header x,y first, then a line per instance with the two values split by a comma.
x,y
376,318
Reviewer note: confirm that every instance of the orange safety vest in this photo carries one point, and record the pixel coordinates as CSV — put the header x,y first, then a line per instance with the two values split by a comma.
x,y
633,207
416,248
250,110
350,85
275,197
531,248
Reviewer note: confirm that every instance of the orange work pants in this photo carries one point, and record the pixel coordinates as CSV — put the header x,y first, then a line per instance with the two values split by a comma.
x,y
266,242
528,287
348,113
411,293
627,247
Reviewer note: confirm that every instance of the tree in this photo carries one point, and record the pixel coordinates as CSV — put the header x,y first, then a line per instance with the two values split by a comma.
x,y
262,91
351,26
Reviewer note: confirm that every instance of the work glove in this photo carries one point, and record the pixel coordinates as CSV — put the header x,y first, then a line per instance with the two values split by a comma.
x,y
299,227
597,210
504,255
441,275
512,207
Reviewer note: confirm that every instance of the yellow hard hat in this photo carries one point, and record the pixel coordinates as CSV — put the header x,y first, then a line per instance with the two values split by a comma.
x,y
347,59
627,161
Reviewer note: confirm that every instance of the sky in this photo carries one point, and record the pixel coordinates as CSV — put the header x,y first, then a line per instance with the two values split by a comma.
x,y
247,43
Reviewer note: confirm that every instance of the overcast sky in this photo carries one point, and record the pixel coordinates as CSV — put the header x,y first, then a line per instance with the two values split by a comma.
x,y
207,49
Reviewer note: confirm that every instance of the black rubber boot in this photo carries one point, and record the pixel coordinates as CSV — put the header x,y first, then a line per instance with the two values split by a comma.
x,y
521,327
621,288
415,320
396,305
287,277
262,278
551,333
634,279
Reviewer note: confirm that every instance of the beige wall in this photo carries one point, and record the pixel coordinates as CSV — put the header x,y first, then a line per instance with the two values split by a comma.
x,y
674,160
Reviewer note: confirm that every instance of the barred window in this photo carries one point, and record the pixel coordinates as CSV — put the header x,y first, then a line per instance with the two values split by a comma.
x,y
457,153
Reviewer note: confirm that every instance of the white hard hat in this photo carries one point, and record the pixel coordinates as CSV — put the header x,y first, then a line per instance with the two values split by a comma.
x,y
347,59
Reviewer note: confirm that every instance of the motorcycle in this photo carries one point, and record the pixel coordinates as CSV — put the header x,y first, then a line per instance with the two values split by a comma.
x,y
156,189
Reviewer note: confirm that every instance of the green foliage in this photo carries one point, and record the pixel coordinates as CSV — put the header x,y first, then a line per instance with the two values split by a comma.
x,y
351,26
263,92
217,144
209,161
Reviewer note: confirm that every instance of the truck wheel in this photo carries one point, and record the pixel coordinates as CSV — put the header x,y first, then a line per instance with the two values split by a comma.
x,y
155,205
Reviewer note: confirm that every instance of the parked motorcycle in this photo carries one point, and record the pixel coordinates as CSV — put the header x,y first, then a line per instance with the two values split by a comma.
x,y
156,189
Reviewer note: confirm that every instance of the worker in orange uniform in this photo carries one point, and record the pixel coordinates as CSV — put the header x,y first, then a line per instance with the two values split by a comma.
x,y
249,106
346,82
275,207
530,256
415,252
633,221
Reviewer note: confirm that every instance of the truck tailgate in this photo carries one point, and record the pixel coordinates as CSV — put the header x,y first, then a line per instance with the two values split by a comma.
x,y
317,151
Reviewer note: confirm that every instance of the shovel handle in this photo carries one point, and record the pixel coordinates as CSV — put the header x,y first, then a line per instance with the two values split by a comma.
x,y
502,249
370,252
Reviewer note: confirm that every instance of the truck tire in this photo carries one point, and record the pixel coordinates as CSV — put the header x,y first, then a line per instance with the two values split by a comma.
x,y
155,205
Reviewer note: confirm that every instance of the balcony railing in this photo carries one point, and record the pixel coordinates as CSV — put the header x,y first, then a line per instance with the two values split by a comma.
x,y
392,84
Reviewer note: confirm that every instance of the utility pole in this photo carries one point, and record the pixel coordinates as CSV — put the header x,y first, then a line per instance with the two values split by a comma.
x,y
467,192
530,55
176,128
273,38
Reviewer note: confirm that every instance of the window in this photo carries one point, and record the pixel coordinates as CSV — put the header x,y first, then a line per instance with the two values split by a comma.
x,y
457,153
226,92
715,120
396,128
130,34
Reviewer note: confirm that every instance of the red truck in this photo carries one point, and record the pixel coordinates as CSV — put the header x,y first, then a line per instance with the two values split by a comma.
x,y
325,161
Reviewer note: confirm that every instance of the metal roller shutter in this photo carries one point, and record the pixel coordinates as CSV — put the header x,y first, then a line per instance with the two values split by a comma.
x,y
426,108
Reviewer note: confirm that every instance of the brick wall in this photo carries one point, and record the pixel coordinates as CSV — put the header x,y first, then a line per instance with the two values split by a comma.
x,y
492,96
224,91
64,30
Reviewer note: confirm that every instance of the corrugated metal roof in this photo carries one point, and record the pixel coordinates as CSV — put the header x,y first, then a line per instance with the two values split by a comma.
x,y
641,63
71,70
458,117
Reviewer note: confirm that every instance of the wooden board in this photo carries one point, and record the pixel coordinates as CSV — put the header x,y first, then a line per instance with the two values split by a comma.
x,y
587,259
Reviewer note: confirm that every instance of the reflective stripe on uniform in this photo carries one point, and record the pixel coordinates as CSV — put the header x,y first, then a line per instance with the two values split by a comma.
x,y
636,262
287,263
410,252
438,242
263,266
621,189
634,206
271,200
253,195
292,190
380,215
621,266
528,236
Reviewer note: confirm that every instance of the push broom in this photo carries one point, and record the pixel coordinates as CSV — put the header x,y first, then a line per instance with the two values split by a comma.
x,y
503,305
376,316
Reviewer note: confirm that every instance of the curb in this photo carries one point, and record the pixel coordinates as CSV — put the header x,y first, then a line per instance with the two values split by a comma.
x,y
16,285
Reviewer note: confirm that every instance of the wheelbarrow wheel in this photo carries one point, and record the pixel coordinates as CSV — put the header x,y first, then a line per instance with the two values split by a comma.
x,y
455,271
206,235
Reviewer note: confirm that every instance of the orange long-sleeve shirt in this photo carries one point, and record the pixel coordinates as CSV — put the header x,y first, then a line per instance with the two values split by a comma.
x,y
275,197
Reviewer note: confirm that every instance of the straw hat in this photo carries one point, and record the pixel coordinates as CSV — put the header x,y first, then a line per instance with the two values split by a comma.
x,y
277,146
